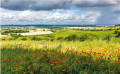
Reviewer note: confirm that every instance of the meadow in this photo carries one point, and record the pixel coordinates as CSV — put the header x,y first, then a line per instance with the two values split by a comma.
x,y
63,52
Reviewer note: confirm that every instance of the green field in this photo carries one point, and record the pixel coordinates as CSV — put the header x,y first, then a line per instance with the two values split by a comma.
x,y
64,34
63,52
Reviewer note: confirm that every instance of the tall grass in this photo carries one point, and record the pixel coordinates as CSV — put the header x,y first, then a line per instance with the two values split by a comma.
x,y
95,45
43,57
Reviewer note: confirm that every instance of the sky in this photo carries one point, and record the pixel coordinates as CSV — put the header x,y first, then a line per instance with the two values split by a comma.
x,y
60,12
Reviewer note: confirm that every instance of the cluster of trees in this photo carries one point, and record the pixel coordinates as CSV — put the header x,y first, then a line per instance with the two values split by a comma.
x,y
110,29
52,28
117,32
117,25
13,31
37,38
83,37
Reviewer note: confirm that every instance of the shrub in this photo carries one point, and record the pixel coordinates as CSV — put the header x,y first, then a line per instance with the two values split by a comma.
x,y
118,35
83,38
60,38
13,31
3,38
36,38
16,35
71,38
49,35
107,37
23,38
43,29
13,38
46,38
116,32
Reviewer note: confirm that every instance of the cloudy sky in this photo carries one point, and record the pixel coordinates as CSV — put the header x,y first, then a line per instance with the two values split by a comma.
x,y
74,12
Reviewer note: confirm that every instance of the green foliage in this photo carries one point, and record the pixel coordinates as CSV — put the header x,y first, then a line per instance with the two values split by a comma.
x,y
71,37
116,32
24,38
107,37
83,38
3,38
118,35
117,25
13,31
15,36
35,38
60,38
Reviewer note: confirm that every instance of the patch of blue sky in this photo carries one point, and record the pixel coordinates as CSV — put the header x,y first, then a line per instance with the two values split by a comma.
x,y
77,10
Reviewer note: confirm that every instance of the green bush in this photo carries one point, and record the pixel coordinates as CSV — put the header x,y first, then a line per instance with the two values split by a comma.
x,y
24,38
13,31
116,32
16,35
47,38
60,38
13,38
49,35
83,38
35,38
71,37
88,36
107,37
52,39
3,39
118,35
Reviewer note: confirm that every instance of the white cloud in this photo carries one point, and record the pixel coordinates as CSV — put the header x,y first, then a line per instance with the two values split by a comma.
x,y
47,17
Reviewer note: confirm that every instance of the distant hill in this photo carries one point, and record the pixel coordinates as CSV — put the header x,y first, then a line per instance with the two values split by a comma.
x,y
66,32
117,25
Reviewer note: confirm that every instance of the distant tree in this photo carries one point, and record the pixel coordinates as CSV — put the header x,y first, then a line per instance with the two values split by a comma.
x,y
2,38
116,32
71,37
107,37
52,39
14,35
33,38
83,38
24,38
60,38
43,29
117,25
118,35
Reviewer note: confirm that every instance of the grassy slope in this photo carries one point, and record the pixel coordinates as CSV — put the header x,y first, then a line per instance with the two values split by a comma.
x,y
67,32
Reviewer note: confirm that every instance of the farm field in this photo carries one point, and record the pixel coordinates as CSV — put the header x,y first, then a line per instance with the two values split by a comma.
x,y
64,51
25,31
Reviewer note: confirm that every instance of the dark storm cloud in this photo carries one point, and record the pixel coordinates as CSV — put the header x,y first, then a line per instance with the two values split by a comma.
x,y
95,3
54,4
109,9
35,4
